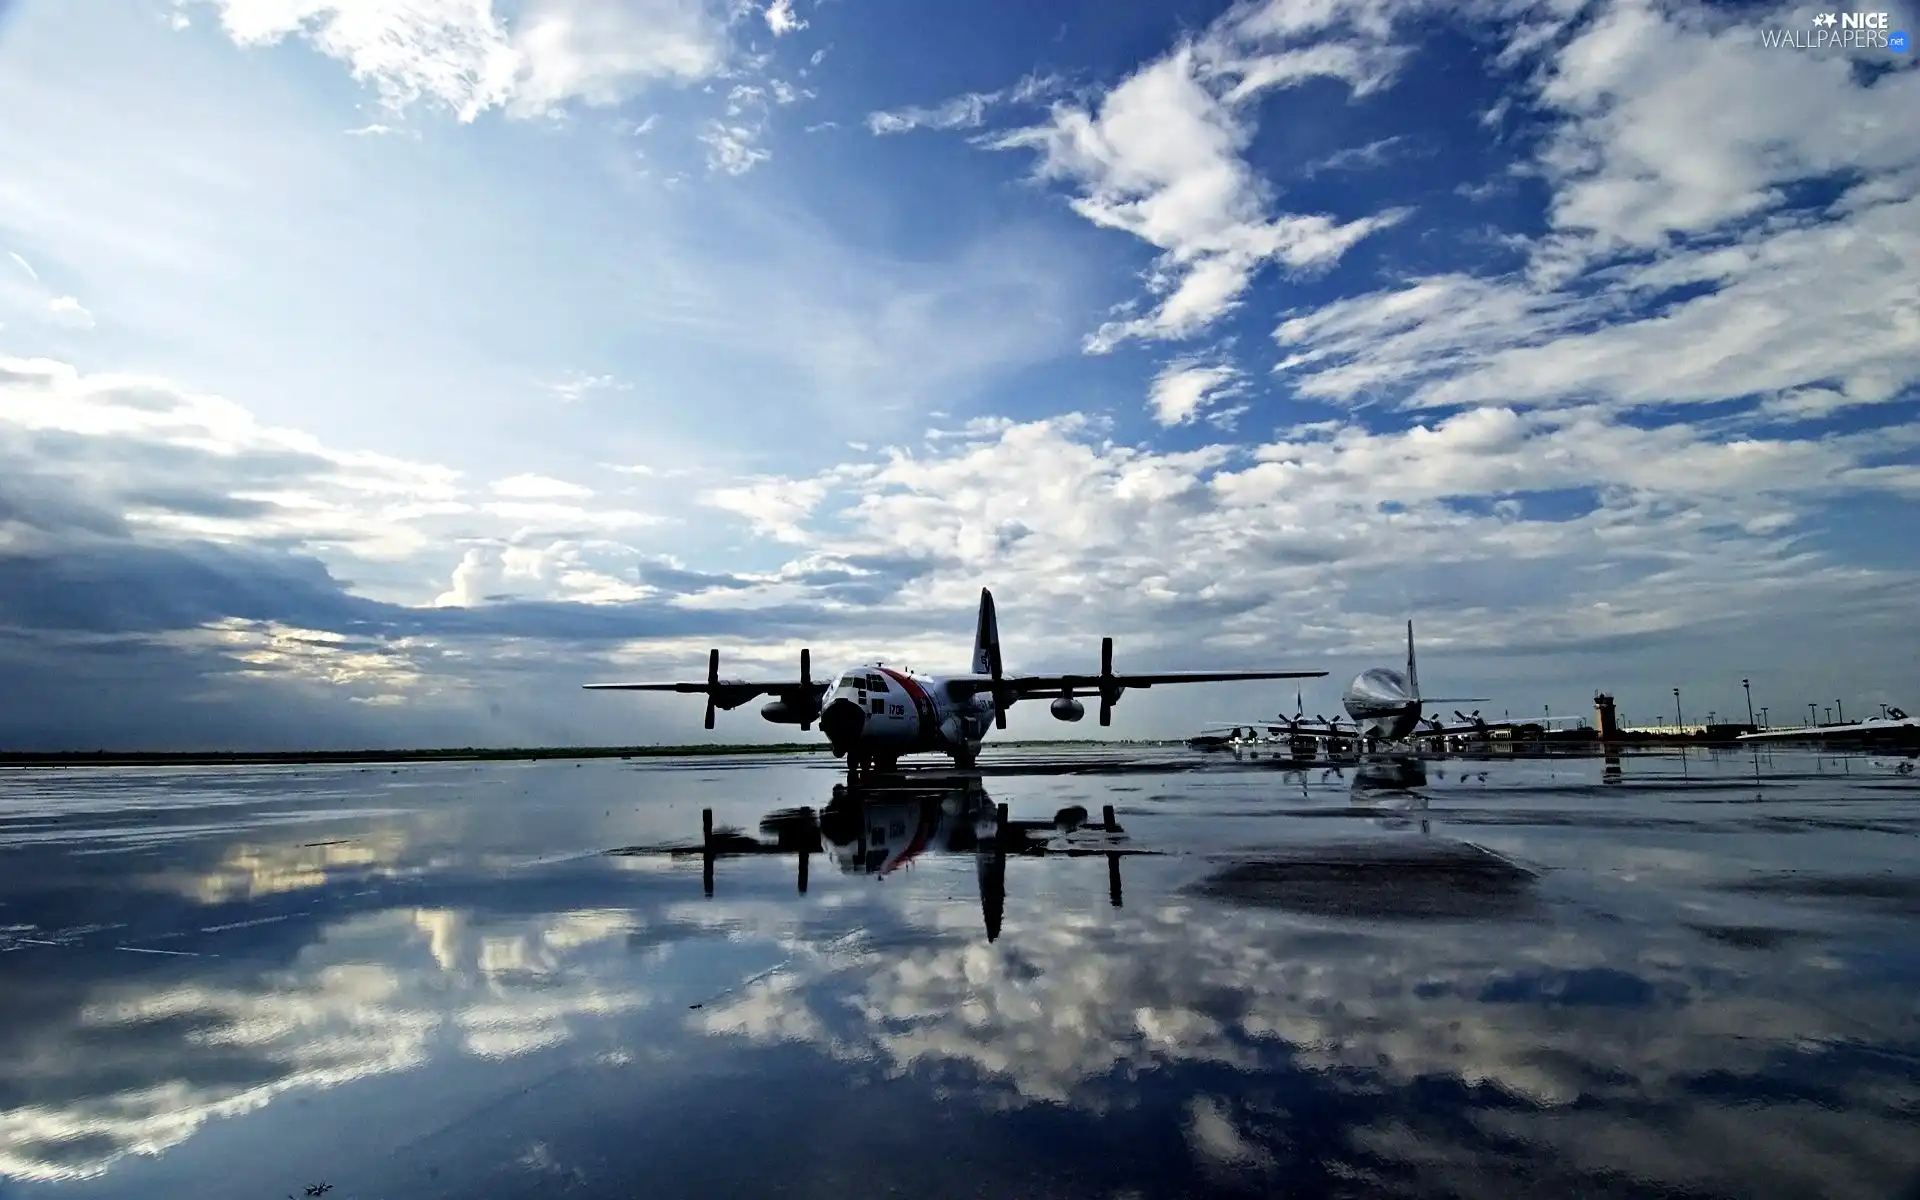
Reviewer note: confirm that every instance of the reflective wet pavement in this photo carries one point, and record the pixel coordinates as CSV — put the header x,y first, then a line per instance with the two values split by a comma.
x,y
1666,976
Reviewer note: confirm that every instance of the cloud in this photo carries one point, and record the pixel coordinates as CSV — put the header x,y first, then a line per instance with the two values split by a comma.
x,y
24,265
538,487
966,111
1160,159
465,57
179,462
781,20
70,312
1186,387
1357,158
1751,294
577,385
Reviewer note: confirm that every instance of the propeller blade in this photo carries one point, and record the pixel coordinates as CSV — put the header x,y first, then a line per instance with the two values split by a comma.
x,y
713,681
1106,674
806,684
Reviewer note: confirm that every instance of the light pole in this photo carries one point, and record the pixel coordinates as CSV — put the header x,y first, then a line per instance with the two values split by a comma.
x,y
1829,716
1678,720
1813,717
1842,710
1764,723
1711,714
1746,685
1883,712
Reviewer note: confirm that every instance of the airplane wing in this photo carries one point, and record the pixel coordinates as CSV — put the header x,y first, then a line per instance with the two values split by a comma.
x,y
1026,686
1106,685
804,692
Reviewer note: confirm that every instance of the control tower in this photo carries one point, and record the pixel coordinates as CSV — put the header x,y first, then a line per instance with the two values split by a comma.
x,y
1603,717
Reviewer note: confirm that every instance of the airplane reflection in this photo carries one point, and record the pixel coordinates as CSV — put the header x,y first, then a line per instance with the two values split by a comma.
x,y
875,829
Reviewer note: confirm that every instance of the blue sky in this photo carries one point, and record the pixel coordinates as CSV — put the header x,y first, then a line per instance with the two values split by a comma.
x,y
377,373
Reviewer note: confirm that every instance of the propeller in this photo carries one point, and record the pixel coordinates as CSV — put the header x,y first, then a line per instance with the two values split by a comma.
x,y
713,681
1000,699
806,684
1108,692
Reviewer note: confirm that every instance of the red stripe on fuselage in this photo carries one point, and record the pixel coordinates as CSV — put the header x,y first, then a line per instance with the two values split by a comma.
x,y
923,705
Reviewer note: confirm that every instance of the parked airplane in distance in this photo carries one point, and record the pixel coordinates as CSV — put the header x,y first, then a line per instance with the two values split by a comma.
x,y
1382,705
872,714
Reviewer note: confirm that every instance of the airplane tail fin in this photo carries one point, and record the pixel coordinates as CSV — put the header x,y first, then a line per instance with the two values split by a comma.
x,y
1413,672
986,637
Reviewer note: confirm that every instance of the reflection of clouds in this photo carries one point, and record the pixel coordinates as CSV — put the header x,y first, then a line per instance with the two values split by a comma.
x,y
248,872
1549,1016
139,1068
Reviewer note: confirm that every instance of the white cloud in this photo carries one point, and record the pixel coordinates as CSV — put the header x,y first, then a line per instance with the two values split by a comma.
x,y
538,487
773,507
1357,158
68,311
576,385
781,19
184,463
464,56
1160,159
24,266
1681,122
733,149
1786,309
1185,387
966,111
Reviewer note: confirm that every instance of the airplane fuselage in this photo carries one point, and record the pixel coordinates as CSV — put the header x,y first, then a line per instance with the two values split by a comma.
x,y
1383,703
881,712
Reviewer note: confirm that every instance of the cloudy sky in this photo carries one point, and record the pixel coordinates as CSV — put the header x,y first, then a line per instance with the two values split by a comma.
x,y
376,373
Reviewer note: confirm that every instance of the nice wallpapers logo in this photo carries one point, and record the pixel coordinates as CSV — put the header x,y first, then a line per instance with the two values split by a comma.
x,y
1847,31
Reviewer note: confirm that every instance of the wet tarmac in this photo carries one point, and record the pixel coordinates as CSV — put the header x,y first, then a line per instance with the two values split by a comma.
x,y
1661,976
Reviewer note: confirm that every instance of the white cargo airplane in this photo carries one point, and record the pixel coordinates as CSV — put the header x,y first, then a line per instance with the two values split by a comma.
x,y
872,714
1384,706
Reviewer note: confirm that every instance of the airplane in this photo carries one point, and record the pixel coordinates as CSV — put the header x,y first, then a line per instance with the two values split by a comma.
x,y
1382,705
1896,726
872,714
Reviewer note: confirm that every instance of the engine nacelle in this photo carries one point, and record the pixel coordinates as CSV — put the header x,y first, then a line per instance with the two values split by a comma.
x,y
782,713
1066,708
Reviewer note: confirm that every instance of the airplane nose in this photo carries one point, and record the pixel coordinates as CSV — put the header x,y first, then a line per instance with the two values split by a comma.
x,y
842,722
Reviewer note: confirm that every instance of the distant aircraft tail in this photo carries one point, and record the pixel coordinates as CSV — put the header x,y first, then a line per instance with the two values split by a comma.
x,y
986,638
